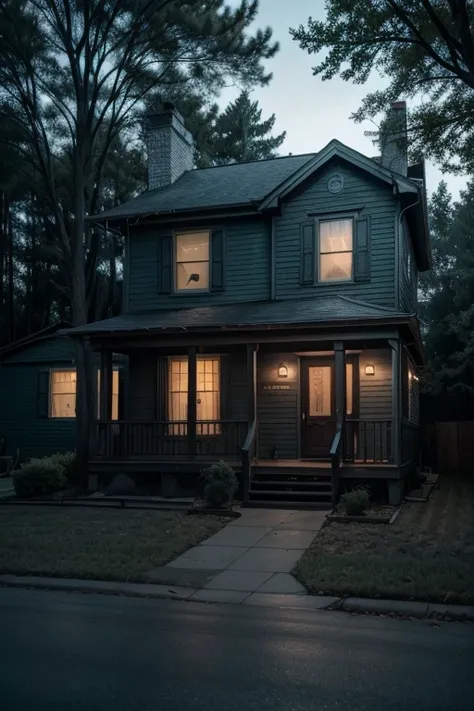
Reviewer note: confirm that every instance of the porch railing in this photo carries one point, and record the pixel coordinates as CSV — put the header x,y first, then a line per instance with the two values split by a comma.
x,y
124,439
368,441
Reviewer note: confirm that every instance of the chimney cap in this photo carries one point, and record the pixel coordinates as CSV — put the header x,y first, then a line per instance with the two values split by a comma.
x,y
397,105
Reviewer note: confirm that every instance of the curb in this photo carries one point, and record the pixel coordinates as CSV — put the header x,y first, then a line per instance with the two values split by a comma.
x,y
401,608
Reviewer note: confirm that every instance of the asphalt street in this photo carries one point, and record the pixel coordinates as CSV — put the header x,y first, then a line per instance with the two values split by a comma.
x,y
72,652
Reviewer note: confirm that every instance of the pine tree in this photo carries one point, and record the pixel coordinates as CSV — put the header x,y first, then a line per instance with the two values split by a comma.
x,y
239,134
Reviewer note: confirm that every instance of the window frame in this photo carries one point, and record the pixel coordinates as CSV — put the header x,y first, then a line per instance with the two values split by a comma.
x,y
333,217
187,292
184,423
63,369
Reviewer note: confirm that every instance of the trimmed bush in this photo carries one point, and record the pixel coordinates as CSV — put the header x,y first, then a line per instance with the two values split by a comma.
x,y
355,502
67,461
39,476
220,484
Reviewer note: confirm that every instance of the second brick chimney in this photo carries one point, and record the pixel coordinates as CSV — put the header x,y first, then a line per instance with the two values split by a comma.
x,y
394,139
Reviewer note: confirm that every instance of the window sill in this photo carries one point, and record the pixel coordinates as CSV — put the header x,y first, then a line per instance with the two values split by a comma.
x,y
191,292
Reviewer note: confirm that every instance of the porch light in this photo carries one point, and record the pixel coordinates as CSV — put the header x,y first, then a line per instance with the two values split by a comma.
x,y
370,369
282,371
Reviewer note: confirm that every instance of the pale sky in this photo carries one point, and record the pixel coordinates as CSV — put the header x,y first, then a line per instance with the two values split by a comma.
x,y
313,112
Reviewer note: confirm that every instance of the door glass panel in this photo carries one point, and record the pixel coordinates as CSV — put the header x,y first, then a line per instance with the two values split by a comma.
x,y
349,388
320,391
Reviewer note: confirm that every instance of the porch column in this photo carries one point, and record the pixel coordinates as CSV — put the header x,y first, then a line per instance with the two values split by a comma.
x,y
251,382
192,379
105,394
396,401
340,382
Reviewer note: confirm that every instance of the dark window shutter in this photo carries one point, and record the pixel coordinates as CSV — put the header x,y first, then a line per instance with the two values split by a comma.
x,y
43,394
217,260
165,264
162,389
362,249
308,261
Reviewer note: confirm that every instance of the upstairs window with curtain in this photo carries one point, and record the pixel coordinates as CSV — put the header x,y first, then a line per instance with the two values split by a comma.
x,y
335,250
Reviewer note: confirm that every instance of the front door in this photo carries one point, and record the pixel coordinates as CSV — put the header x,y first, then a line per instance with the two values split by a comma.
x,y
318,410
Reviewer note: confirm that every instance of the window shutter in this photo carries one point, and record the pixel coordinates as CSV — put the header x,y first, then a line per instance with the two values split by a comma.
x,y
217,261
165,264
121,393
308,260
362,249
43,394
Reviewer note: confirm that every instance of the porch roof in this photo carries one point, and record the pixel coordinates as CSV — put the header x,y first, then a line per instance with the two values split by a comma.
x,y
289,313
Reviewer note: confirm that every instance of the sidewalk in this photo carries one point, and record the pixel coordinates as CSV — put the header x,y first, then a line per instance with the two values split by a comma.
x,y
250,559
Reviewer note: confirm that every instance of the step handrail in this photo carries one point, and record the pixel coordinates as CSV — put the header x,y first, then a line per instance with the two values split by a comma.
x,y
335,455
247,456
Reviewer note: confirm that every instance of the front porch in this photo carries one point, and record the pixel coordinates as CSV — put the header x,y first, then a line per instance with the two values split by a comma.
x,y
295,417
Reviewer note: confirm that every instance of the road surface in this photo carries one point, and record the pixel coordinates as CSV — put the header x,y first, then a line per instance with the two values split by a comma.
x,y
72,652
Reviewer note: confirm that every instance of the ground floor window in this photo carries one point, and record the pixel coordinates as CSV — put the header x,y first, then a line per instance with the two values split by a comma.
x,y
207,395
62,393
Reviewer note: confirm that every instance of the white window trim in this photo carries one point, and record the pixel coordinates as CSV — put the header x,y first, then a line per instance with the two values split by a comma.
x,y
188,292
50,394
178,423
333,218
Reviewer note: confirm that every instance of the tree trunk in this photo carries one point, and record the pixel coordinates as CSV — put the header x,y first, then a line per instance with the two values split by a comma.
x,y
11,308
86,386
2,267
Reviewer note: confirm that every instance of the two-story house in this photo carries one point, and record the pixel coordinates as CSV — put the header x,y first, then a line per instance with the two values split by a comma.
x,y
269,319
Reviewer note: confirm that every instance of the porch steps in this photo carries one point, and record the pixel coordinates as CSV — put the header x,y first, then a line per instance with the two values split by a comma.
x,y
291,486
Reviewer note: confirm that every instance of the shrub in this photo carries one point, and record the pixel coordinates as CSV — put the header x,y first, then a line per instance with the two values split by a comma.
x,y
39,476
67,461
220,484
355,502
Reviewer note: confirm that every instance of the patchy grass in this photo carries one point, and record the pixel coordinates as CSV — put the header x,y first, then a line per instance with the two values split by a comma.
x,y
101,544
427,554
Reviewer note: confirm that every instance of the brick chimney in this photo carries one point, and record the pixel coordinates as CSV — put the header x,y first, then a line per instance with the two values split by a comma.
x,y
394,139
169,147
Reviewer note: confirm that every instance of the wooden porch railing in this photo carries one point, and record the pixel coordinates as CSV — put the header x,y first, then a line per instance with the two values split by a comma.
x,y
368,441
248,453
125,439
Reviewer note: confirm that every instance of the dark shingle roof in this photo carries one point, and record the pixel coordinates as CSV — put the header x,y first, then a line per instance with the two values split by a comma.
x,y
260,313
227,185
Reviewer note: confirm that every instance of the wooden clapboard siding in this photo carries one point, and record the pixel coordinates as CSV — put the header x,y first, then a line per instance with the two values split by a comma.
x,y
376,390
313,197
247,267
238,390
407,273
277,409
143,385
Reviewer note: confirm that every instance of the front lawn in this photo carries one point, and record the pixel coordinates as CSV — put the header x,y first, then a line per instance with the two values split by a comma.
x,y
427,554
101,544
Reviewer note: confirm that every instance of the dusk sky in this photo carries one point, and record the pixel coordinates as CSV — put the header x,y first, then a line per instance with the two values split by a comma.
x,y
311,111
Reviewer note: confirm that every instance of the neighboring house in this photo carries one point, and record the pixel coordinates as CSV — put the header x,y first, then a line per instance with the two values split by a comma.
x,y
269,319
38,394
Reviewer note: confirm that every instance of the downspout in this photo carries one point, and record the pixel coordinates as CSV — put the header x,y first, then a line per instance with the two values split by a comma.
x,y
273,261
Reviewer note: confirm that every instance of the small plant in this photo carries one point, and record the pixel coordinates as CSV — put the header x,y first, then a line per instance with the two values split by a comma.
x,y
355,502
220,484
39,476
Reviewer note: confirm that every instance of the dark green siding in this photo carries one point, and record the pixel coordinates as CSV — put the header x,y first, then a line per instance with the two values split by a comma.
x,y
376,390
143,369
236,366
247,268
360,190
407,271
277,409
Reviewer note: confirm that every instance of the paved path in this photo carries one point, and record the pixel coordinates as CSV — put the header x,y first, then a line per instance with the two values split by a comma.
x,y
253,556
69,652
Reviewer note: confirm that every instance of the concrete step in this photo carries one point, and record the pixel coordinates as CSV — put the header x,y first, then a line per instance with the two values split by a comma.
x,y
281,504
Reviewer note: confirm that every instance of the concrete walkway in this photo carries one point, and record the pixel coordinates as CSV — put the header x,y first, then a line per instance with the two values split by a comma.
x,y
251,558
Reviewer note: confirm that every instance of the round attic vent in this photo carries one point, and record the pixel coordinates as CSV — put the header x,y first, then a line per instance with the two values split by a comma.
x,y
335,183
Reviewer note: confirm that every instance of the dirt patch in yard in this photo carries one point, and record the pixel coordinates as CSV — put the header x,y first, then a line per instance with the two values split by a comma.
x,y
99,544
427,554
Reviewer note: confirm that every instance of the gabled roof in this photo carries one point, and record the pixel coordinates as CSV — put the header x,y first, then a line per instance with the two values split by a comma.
x,y
35,337
234,185
317,311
